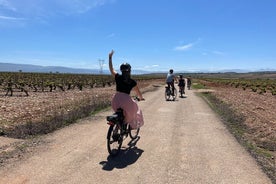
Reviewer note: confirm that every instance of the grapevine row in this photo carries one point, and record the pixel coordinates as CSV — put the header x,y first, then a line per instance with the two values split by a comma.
x,y
48,82
256,85
11,82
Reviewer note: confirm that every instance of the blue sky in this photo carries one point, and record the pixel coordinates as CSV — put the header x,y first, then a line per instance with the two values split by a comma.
x,y
153,35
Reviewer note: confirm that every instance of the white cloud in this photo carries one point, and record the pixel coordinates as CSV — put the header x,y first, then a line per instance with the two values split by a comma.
x,y
19,13
74,7
218,53
48,8
187,46
7,5
184,47
150,66
10,18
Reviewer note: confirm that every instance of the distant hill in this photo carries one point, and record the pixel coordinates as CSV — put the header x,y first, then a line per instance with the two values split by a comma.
x,y
10,67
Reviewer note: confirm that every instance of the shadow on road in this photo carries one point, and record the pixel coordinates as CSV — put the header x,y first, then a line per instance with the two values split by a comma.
x,y
184,96
127,156
171,100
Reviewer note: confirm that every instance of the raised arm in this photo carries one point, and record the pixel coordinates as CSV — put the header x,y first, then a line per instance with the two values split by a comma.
x,y
112,71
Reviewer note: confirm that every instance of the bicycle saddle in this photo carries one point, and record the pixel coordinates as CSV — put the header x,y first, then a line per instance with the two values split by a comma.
x,y
113,117
117,116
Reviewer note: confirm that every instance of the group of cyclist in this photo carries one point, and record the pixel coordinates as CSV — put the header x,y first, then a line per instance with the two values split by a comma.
x,y
171,79
125,84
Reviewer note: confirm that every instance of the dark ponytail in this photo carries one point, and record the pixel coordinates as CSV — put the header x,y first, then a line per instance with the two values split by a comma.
x,y
126,75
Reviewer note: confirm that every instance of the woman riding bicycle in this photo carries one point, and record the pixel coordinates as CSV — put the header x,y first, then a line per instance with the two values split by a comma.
x,y
122,99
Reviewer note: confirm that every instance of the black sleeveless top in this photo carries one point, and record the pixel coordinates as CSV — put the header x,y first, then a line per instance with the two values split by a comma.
x,y
124,86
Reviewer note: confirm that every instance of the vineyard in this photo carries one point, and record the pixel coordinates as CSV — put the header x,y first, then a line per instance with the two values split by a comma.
x,y
22,83
49,82
253,99
256,85
38,103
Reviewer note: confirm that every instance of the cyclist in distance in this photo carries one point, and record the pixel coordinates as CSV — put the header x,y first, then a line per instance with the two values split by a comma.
x,y
181,84
122,99
189,82
170,80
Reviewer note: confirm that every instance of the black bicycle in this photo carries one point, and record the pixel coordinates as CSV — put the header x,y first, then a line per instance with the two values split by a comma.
x,y
169,95
118,131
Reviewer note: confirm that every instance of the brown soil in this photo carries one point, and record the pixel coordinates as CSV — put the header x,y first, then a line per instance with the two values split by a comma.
x,y
259,111
20,110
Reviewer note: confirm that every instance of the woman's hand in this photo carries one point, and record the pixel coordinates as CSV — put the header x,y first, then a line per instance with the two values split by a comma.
x,y
111,53
138,99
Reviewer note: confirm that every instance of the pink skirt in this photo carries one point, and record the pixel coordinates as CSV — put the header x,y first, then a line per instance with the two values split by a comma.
x,y
133,115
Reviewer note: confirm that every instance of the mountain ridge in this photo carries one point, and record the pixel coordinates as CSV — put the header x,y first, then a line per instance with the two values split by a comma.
x,y
13,67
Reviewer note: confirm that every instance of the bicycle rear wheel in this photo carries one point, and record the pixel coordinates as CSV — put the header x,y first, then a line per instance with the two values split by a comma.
x,y
114,140
133,133
167,94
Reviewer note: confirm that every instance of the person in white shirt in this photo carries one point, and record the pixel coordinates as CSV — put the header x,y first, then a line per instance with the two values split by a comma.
x,y
170,80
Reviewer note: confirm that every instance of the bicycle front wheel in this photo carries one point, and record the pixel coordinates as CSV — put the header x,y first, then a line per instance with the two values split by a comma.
x,y
175,94
114,140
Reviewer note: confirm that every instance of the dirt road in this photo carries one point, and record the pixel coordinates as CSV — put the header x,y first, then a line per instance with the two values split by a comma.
x,y
182,141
